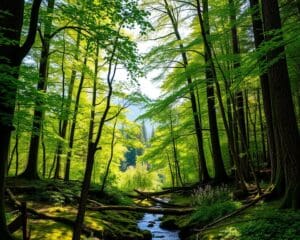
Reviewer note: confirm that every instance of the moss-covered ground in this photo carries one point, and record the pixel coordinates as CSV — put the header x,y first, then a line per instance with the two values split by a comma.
x,y
265,221
262,221
44,197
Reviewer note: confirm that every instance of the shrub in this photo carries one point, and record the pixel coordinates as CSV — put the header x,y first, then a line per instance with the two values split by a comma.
x,y
207,213
210,195
211,203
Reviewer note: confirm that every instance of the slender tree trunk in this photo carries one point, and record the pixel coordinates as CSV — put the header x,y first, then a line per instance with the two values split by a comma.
x,y
171,171
262,129
230,137
12,154
66,109
176,161
31,171
75,112
203,172
11,56
92,145
90,157
53,165
220,173
62,125
44,153
230,118
239,101
247,116
283,108
112,144
16,146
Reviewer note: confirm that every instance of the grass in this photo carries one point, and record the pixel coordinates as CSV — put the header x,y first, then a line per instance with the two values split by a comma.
x,y
265,221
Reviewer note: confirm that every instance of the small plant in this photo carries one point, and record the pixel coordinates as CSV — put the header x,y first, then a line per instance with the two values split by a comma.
x,y
272,224
211,203
207,213
209,195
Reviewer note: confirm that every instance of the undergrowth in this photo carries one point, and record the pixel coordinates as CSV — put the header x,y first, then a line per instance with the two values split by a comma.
x,y
211,203
264,222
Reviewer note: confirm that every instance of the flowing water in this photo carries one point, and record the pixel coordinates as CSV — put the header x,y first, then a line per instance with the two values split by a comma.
x,y
151,223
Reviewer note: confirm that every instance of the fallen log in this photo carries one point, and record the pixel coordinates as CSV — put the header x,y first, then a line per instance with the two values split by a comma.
x,y
145,195
169,211
164,192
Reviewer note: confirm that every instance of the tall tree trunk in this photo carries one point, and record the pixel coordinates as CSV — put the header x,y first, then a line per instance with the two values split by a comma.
x,y
44,153
11,56
262,128
31,171
14,151
93,142
230,137
90,157
175,155
66,109
112,144
74,118
220,173
264,82
171,171
239,101
62,124
282,107
203,172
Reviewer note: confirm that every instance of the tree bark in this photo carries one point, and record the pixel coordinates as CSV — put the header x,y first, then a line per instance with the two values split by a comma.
x,y
11,56
74,118
66,109
220,173
258,32
238,101
93,142
203,172
230,137
112,144
262,128
178,178
31,171
282,107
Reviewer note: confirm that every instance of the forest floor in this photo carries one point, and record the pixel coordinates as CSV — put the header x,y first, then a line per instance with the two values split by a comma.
x,y
52,210
55,203
252,218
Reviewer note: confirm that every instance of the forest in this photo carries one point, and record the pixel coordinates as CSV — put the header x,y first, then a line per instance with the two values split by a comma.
x,y
149,119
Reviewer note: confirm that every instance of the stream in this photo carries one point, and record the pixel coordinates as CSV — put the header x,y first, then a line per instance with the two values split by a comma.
x,y
151,223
